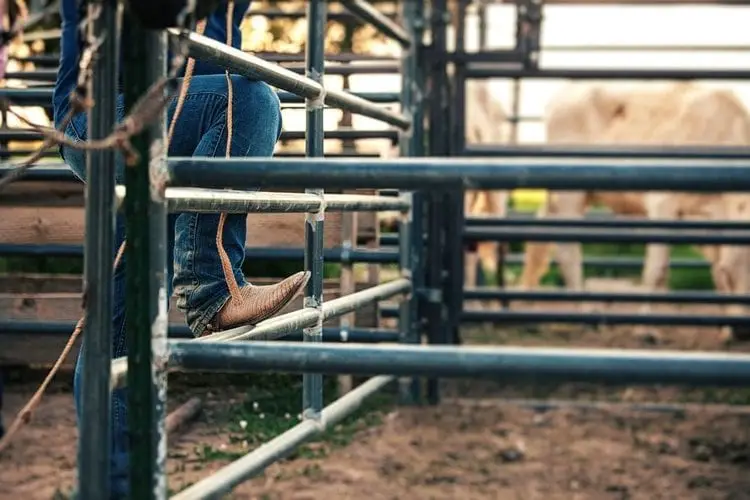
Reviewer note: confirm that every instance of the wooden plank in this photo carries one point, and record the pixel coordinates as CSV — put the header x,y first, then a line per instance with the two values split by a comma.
x,y
52,213
43,193
65,226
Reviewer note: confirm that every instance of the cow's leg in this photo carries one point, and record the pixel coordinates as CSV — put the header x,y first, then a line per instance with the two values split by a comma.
x,y
655,274
471,257
731,273
569,256
489,253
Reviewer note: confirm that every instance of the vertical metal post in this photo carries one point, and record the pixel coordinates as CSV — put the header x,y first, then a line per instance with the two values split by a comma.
x,y
146,313
437,327
454,206
411,241
95,441
312,383
482,14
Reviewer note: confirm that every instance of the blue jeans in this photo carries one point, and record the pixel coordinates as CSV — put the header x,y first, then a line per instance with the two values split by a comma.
x,y
195,272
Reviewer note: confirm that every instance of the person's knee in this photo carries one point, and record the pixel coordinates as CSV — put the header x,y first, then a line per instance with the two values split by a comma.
x,y
257,112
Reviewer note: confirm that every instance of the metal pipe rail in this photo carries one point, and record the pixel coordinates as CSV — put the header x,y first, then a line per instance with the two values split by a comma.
x,y
21,135
283,14
701,176
369,14
676,297
42,96
49,75
280,326
334,334
624,235
485,70
616,366
201,47
342,255
375,97
619,151
607,221
621,262
592,319
349,255
212,201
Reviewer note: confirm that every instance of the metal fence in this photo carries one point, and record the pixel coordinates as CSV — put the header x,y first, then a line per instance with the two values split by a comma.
x,y
432,176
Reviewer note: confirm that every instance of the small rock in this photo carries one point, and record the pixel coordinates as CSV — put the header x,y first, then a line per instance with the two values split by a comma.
x,y
510,455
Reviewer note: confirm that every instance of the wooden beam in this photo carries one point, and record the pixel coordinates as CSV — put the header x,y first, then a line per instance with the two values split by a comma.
x,y
52,213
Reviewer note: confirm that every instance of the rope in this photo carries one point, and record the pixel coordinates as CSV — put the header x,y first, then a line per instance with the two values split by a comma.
x,y
25,414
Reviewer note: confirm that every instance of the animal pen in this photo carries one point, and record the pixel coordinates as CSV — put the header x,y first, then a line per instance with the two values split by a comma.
x,y
430,181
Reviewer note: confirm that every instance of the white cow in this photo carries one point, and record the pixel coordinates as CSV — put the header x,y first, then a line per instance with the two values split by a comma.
x,y
663,114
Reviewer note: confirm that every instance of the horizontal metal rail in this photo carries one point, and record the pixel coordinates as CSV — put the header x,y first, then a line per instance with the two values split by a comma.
x,y
606,221
28,135
613,235
384,68
299,14
37,75
342,255
483,70
277,57
283,325
50,75
55,172
212,201
42,96
643,48
227,478
348,255
592,319
330,334
622,366
621,151
676,297
366,12
469,173
297,135
621,262
201,47
376,97
605,406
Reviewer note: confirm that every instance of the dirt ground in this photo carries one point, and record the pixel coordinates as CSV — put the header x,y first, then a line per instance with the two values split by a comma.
x,y
475,447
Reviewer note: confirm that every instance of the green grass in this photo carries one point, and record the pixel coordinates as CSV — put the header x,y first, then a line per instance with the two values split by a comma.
x,y
679,278
271,405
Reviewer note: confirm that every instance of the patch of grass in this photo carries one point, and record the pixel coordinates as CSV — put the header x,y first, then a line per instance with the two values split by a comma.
x,y
272,405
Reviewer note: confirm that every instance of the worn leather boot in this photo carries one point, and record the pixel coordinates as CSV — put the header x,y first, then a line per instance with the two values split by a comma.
x,y
258,303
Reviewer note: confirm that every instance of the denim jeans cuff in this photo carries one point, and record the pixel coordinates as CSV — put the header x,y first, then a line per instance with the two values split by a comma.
x,y
199,325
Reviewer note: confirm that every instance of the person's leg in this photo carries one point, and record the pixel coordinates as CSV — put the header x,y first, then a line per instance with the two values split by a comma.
x,y
201,130
211,289
76,160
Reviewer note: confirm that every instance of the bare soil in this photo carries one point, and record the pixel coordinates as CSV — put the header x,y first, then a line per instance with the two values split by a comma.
x,y
471,446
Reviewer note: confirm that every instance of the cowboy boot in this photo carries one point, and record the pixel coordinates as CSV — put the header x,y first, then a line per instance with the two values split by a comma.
x,y
258,303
